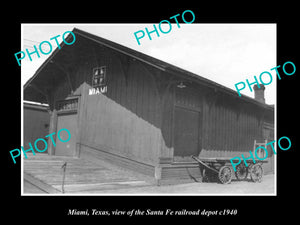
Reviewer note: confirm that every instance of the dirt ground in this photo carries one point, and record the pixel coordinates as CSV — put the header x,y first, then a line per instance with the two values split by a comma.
x,y
266,187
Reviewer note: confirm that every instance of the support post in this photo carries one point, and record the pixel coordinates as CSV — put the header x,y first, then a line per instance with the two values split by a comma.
x,y
52,128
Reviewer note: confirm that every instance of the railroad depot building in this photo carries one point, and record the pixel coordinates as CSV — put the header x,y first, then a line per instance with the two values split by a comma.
x,y
142,113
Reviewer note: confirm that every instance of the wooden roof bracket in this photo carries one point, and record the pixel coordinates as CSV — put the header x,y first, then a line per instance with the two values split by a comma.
x,y
66,73
37,89
47,96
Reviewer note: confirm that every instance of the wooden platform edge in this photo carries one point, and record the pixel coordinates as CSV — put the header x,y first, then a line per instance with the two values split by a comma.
x,y
40,184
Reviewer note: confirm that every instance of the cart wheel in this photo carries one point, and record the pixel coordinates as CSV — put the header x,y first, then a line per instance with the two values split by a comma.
x,y
256,172
225,174
241,172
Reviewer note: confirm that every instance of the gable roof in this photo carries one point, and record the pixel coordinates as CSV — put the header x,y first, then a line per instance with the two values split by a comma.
x,y
159,64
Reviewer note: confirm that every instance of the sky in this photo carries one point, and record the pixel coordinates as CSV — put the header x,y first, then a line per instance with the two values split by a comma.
x,y
224,53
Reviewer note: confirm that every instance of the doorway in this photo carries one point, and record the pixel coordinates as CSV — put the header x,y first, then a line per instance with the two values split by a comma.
x,y
67,118
186,133
66,121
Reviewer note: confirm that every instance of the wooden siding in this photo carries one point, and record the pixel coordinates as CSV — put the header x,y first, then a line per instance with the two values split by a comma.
x,y
36,124
124,120
135,118
133,122
229,127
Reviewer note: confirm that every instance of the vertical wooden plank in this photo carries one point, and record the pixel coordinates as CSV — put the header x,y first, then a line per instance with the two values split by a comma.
x,y
241,137
217,129
233,131
229,122
143,148
222,128
116,73
52,128
125,75
207,128
238,133
129,77
152,102
215,140
112,77
210,127
229,137
147,144
157,106
146,81
132,96
122,90
139,93
203,128
243,130
138,126
248,129
120,79
227,128
253,127
213,126
145,95
134,93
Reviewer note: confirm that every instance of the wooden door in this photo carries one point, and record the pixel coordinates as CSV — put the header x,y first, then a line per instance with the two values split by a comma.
x,y
68,121
186,132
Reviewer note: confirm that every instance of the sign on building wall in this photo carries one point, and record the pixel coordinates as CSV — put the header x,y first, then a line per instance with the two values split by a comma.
x,y
67,105
99,81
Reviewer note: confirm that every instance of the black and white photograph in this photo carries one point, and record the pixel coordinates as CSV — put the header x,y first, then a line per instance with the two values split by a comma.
x,y
127,114
159,118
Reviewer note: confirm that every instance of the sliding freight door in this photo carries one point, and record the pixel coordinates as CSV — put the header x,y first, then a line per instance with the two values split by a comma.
x,y
186,132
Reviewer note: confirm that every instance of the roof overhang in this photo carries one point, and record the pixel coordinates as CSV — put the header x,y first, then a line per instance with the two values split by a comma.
x,y
37,88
